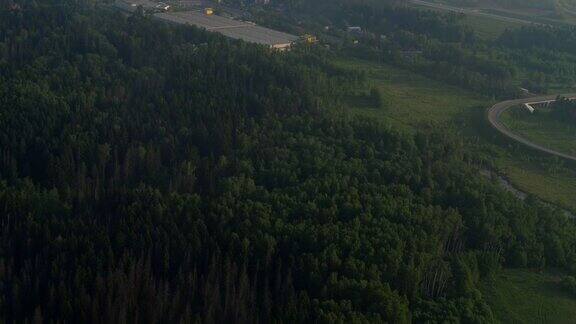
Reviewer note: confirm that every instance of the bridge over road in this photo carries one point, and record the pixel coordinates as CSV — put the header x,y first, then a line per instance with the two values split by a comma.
x,y
496,111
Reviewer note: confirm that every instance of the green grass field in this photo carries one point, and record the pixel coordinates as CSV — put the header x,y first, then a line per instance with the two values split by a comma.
x,y
520,296
485,27
555,187
489,28
412,100
542,128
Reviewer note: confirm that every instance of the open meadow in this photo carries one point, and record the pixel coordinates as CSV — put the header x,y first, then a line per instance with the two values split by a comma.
x,y
542,299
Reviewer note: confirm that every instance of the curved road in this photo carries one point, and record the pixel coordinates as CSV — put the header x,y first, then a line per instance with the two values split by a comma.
x,y
494,118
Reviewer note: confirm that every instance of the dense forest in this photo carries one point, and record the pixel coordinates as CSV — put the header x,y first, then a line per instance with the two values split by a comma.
x,y
564,109
155,173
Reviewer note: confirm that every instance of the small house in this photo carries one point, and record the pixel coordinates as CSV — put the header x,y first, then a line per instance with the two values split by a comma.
x,y
354,30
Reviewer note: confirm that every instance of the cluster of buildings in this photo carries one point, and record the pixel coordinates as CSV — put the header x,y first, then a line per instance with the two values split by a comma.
x,y
205,18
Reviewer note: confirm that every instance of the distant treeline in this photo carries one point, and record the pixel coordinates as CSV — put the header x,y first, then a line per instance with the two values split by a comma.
x,y
441,46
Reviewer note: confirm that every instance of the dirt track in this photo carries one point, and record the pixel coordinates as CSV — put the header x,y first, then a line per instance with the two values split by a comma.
x,y
494,118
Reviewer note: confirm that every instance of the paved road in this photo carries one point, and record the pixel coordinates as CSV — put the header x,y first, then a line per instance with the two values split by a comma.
x,y
494,118
564,8
473,12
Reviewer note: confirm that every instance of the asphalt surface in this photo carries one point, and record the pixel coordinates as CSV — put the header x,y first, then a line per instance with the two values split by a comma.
x,y
473,12
496,111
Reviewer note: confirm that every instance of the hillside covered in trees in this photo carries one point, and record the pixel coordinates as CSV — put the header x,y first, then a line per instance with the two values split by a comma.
x,y
155,173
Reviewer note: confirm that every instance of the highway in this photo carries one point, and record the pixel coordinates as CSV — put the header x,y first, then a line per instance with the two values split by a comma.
x,y
473,12
496,111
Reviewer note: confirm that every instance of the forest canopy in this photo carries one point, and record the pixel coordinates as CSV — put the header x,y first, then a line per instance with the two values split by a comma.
x,y
158,173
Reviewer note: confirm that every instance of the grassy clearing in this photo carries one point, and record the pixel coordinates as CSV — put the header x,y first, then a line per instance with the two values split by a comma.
x,y
486,27
554,186
411,100
542,128
489,28
519,296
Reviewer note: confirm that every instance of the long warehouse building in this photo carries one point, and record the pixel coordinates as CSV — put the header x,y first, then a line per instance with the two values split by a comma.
x,y
231,28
